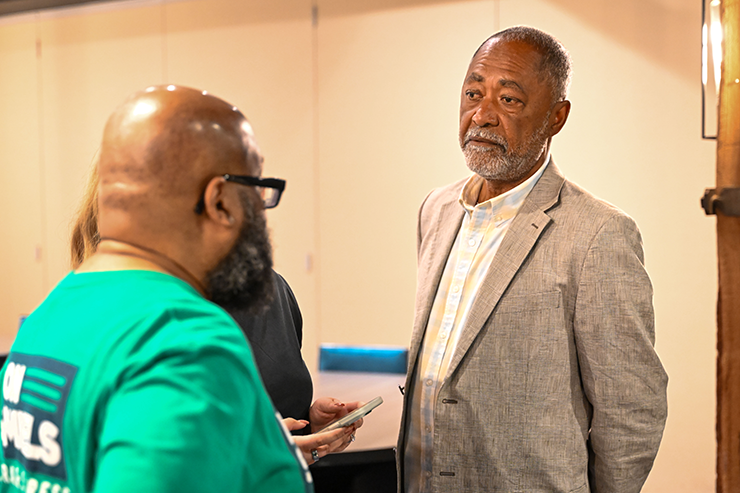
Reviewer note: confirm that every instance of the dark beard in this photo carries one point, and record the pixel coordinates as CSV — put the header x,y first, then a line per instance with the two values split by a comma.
x,y
243,279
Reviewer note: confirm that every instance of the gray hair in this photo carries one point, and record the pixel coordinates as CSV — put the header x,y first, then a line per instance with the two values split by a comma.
x,y
555,68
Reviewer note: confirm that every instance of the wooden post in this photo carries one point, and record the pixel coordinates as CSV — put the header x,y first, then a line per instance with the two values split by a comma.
x,y
728,250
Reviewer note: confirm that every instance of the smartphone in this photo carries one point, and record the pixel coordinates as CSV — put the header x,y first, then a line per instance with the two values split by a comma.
x,y
354,415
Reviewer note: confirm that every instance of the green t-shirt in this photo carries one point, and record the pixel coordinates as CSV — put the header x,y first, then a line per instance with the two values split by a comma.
x,y
129,381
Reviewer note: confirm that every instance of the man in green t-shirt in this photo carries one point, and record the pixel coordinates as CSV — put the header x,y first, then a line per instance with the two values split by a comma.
x,y
126,378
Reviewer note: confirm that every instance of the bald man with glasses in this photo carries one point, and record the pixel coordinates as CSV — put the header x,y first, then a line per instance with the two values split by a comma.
x,y
129,377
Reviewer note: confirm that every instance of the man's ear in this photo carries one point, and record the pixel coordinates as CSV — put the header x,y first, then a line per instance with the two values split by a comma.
x,y
559,116
221,203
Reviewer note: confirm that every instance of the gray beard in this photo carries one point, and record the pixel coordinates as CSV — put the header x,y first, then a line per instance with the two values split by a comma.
x,y
501,163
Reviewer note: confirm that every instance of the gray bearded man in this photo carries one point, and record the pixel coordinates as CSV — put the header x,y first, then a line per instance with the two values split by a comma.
x,y
532,366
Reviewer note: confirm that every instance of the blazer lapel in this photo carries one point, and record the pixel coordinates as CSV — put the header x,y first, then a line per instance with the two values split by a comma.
x,y
518,242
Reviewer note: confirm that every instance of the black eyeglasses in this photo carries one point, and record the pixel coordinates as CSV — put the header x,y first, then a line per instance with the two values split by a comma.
x,y
270,189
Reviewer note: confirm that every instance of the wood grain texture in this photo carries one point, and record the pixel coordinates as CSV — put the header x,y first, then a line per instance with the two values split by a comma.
x,y
728,249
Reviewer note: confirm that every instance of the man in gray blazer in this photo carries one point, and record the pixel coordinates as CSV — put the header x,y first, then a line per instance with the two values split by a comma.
x,y
532,367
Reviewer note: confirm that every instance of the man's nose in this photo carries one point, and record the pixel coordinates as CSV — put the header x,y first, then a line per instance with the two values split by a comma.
x,y
486,114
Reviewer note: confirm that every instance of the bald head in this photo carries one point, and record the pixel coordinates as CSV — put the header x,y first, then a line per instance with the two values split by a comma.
x,y
160,148
166,150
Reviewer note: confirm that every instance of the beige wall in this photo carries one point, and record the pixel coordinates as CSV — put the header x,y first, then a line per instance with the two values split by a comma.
x,y
22,202
359,114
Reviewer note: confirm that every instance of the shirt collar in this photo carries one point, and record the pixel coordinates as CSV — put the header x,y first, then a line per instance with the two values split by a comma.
x,y
508,203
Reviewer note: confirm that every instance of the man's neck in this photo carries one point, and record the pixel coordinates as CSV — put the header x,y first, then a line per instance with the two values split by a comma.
x,y
114,254
494,188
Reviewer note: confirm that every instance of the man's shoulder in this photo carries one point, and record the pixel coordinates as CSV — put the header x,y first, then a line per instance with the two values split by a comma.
x,y
574,194
142,306
152,293
578,203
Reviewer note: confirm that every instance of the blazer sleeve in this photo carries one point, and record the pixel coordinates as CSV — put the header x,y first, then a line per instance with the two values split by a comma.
x,y
621,373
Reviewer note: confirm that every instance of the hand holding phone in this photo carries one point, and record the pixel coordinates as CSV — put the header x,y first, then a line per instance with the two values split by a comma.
x,y
355,415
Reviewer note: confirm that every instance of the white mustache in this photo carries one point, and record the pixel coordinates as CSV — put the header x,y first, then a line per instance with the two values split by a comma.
x,y
484,134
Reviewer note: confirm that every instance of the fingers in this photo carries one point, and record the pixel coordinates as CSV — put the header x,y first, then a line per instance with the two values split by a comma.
x,y
326,409
330,437
346,440
294,424
323,411
314,455
317,440
311,452
318,445
351,406
328,405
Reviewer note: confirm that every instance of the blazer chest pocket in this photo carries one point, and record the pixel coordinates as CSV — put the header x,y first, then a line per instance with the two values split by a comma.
x,y
530,335
532,322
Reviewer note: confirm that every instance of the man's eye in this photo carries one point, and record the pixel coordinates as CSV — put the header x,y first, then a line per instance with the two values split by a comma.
x,y
508,100
471,94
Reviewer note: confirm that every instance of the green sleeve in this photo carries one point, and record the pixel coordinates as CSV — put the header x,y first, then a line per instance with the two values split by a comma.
x,y
193,420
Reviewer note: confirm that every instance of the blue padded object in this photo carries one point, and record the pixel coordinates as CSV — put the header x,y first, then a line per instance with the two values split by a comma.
x,y
333,357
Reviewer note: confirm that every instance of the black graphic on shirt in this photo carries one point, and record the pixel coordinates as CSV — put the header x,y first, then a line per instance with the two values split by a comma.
x,y
35,391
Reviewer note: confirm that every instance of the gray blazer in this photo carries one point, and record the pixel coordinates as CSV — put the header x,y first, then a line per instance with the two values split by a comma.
x,y
555,385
